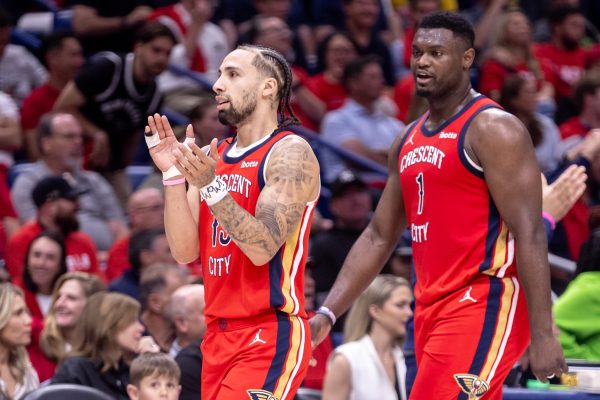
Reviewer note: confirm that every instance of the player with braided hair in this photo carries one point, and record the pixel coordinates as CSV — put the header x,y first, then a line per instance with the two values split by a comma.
x,y
247,214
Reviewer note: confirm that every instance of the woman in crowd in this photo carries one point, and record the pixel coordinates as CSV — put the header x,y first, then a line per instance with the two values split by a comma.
x,y
45,262
107,338
518,96
370,364
17,376
50,345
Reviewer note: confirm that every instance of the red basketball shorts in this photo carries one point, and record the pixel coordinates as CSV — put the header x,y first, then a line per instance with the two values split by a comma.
x,y
467,342
259,358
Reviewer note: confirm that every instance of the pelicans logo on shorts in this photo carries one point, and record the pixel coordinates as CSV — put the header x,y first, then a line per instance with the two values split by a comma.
x,y
472,385
259,394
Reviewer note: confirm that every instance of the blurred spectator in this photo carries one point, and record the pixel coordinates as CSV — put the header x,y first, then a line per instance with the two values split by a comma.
x,y
60,139
146,247
542,30
202,47
482,14
9,223
511,52
418,9
56,202
586,97
145,209
112,97
358,126
63,57
186,311
580,331
205,121
108,337
563,60
20,71
18,376
45,262
52,339
108,24
157,283
370,364
518,96
360,17
154,376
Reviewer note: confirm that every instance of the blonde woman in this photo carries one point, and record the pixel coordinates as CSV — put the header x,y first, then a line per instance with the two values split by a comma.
x,y
17,377
53,339
107,338
370,364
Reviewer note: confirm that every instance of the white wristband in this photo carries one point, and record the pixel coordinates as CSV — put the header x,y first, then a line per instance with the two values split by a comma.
x,y
328,313
171,172
214,191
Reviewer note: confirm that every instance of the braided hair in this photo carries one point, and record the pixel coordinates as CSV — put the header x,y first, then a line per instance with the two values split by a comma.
x,y
271,63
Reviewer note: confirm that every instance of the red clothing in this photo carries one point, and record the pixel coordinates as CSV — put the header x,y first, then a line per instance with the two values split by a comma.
x,y
574,126
404,90
44,367
315,374
40,101
466,277
561,68
305,120
234,287
81,251
118,259
6,208
333,94
493,74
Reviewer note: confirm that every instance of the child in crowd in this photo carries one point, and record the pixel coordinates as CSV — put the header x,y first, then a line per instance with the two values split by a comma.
x,y
154,376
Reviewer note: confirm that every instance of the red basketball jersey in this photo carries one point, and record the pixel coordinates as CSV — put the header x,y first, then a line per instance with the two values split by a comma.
x,y
234,286
457,231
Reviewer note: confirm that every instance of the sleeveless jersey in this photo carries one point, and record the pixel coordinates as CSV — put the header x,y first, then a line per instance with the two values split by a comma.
x,y
234,286
457,232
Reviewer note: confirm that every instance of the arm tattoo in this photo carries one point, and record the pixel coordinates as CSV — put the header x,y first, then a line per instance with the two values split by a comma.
x,y
292,174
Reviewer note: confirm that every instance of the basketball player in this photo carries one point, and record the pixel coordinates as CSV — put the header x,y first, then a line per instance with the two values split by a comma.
x,y
465,179
247,214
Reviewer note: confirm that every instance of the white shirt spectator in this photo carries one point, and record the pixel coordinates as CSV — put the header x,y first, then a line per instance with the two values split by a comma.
x,y
20,72
9,109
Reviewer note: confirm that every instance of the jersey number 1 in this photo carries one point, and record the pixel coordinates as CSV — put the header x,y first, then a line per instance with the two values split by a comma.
x,y
419,180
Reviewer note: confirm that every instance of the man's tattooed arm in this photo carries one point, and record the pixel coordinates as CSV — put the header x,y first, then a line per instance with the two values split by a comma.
x,y
292,180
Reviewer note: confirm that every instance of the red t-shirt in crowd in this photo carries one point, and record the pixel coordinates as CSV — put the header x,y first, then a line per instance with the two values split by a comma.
x,y
44,367
562,68
574,126
404,90
118,259
81,251
40,101
333,94
493,74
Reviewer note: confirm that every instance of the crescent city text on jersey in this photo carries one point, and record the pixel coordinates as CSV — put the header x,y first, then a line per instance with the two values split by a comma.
x,y
422,154
237,184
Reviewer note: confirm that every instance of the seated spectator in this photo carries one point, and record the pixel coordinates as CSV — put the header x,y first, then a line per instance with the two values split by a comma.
x,y
45,262
60,138
145,248
579,331
201,48
145,209
518,96
108,24
19,69
56,202
370,364
205,121
358,126
185,311
63,56
18,377
157,283
586,97
108,337
154,376
52,340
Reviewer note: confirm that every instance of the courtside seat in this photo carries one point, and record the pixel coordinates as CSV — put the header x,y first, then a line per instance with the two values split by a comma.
x,y
67,391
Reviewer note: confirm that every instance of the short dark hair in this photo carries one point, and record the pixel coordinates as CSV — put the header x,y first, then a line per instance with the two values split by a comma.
x,y
559,13
138,242
56,238
154,279
152,30
586,86
153,364
454,22
356,67
54,41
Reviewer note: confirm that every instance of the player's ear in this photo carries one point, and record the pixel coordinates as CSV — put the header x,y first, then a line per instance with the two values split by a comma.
x,y
270,88
468,58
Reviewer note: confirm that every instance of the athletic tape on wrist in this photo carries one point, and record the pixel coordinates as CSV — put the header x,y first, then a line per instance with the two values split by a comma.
x,y
214,191
171,172
152,140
